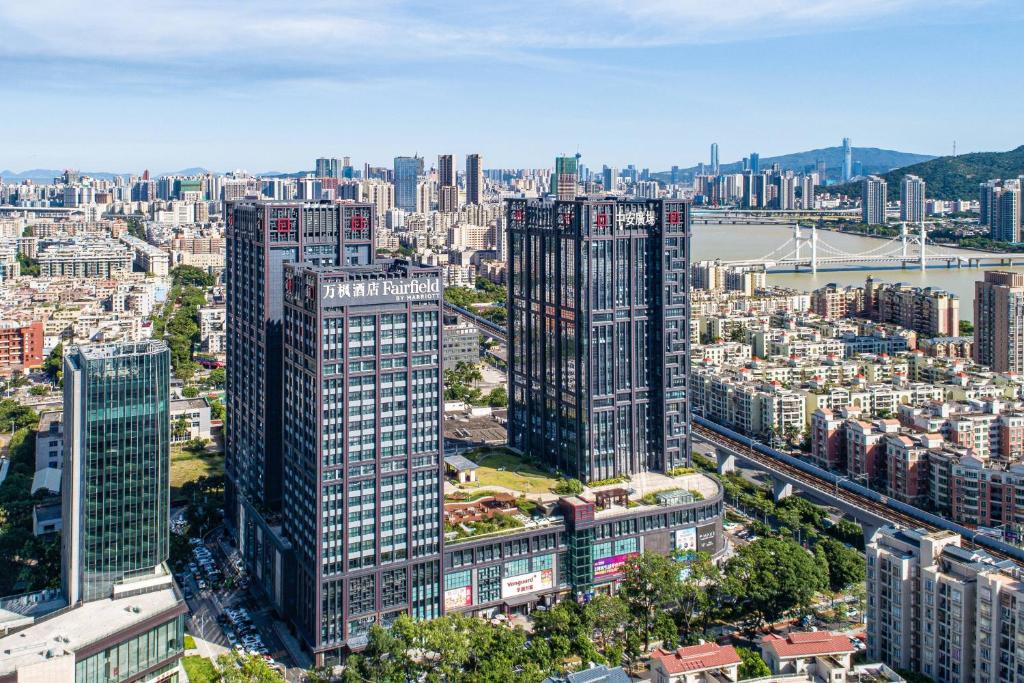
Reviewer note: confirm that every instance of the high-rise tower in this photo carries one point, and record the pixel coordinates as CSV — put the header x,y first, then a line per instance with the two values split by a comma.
x,y
363,472
261,237
447,189
598,334
565,181
407,174
847,160
714,158
873,196
474,179
912,199
116,477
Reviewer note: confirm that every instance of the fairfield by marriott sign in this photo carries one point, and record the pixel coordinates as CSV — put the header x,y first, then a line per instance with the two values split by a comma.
x,y
364,292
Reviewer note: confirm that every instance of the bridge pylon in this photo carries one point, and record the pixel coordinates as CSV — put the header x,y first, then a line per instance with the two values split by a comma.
x,y
799,239
906,240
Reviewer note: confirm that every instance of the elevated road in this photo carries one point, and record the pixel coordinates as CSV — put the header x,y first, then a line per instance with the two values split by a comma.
x,y
487,327
862,503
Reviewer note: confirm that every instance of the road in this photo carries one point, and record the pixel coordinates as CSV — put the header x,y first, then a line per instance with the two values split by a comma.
x,y
207,605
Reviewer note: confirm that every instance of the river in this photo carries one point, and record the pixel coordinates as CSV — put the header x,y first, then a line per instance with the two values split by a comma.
x,y
737,242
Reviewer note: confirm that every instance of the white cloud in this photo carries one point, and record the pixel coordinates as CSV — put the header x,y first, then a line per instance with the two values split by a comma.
x,y
267,30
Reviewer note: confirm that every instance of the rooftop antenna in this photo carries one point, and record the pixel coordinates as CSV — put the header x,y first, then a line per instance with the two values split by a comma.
x,y
954,147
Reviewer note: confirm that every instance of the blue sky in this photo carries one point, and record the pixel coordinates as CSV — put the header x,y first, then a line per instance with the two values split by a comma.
x,y
123,85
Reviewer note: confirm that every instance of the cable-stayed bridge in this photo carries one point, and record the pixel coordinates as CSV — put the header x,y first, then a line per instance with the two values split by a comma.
x,y
806,249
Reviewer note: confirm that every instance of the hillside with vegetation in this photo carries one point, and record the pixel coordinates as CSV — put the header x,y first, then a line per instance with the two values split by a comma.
x,y
949,177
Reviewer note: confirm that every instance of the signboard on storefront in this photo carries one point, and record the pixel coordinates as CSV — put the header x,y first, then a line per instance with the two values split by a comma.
x,y
527,583
608,567
686,539
706,539
458,597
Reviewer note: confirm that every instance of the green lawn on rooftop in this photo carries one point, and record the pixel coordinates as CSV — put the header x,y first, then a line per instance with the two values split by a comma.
x,y
501,468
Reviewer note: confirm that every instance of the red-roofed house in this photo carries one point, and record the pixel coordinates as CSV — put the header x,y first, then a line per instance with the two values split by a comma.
x,y
707,663
817,654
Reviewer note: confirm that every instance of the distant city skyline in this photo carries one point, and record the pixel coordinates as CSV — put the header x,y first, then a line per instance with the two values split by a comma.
x,y
230,85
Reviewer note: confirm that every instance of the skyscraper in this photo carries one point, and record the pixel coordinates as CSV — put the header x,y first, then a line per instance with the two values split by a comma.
x,y
999,321
363,472
565,181
116,477
755,162
447,190
912,203
987,197
261,238
610,178
328,168
847,160
1005,213
872,198
598,334
407,174
714,158
474,179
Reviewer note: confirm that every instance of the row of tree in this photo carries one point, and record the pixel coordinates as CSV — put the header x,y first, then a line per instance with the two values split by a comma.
x,y
666,600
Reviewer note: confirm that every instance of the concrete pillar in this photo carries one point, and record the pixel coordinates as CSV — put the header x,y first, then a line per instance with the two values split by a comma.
x,y
781,490
726,462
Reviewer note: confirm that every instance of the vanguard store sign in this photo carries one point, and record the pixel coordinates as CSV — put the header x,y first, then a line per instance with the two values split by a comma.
x,y
362,293
527,583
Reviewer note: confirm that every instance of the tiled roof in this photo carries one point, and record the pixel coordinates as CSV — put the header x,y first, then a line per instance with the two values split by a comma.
x,y
803,644
697,657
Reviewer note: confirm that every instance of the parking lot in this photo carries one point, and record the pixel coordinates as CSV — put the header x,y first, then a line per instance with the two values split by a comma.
x,y
222,611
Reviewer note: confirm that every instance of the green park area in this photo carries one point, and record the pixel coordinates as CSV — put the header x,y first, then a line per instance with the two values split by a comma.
x,y
188,465
502,468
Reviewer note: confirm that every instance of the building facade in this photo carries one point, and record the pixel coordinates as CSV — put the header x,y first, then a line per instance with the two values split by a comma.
x,y
363,472
21,345
116,477
938,609
598,334
407,175
912,199
873,198
474,179
999,321
261,238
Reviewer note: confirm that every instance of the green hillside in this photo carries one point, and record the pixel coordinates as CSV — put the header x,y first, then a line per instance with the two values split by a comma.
x,y
950,177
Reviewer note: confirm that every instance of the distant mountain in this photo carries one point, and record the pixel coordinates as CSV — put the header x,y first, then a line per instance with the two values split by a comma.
x,y
46,175
950,177
871,159
194,170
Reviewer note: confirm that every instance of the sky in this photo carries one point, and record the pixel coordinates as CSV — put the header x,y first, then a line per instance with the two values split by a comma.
x,y
261,85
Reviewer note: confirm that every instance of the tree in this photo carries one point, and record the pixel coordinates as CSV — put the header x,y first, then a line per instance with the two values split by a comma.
x,y
15,416
966,328
190,276
498,398
845,565
217,378
649,582
29,266
54,363
238,667
569,487
697,595
39,390
190,391
771,576
751,664
608,617
217,410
